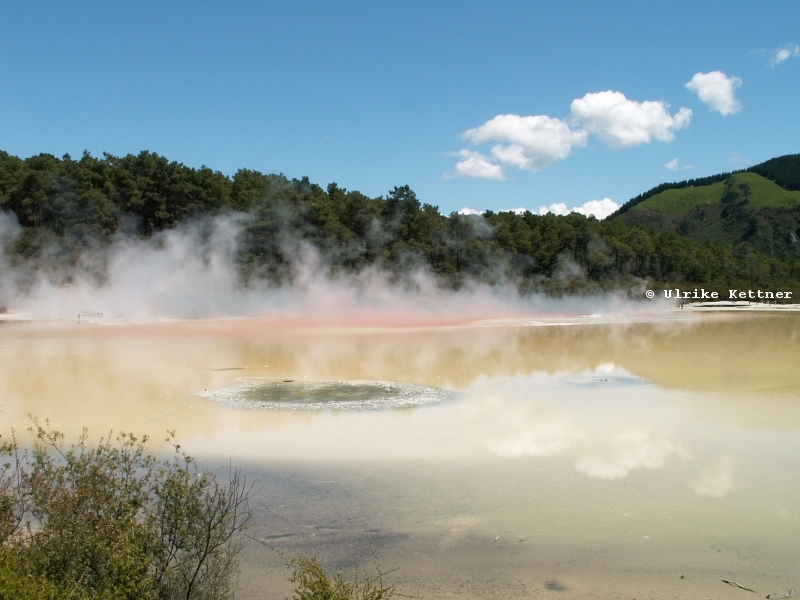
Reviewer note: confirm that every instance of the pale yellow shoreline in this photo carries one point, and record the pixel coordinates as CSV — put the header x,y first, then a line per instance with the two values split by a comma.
x,y
740,306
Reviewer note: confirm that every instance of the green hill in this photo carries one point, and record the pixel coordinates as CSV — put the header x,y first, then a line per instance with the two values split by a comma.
x,y
761,193
758,207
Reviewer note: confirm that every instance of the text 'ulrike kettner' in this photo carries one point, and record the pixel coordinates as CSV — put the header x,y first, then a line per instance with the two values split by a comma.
x,y
702,294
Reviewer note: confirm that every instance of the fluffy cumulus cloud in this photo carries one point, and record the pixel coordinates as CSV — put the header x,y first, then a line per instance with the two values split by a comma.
x,y
717,90
476,165
785,53
558,208
600,209
470,211
529,143
620,122
532,143
597,208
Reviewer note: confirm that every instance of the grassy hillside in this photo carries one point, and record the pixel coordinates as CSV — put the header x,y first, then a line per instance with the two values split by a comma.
x,y
763,193
744,208
783,170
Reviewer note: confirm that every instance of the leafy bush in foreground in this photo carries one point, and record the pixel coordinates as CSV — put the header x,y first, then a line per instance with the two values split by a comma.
x,y
313,583
112,521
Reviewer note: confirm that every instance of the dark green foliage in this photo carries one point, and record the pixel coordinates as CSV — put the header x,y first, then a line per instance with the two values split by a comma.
x,y
113,522
784,170
68,208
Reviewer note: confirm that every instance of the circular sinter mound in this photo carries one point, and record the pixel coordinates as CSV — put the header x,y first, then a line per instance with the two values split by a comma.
x,y
332,394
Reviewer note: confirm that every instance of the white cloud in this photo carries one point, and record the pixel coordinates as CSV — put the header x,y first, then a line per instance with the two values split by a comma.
x,y
785,53
674,165
558,208
620,123
473,211
599,208
535,142
717,90
738,159
531,143
476,165
470,211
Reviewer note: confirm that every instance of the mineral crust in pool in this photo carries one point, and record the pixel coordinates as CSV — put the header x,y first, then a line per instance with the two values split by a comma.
x,y
328,394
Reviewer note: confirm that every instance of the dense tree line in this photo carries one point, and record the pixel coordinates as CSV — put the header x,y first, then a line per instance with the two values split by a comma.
x,y
79,205
783,170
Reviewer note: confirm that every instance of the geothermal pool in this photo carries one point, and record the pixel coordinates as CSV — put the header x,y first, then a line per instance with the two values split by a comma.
x,y
557,458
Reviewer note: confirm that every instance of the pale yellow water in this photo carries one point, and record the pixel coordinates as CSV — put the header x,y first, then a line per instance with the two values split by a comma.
x,y
593,458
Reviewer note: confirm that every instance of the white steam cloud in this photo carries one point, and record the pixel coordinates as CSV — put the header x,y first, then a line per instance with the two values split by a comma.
x,y
191,272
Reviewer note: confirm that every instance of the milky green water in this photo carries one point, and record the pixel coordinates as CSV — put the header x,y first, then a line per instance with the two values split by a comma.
x,y
592,458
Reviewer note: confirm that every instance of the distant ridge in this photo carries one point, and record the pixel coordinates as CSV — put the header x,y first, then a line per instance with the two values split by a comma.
x,y
782,170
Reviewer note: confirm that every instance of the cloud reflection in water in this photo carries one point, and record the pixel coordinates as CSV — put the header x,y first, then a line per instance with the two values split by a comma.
x,y
716,480
608,445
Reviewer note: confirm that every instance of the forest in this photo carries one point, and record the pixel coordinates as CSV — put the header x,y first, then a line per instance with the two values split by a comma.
x,y
68,207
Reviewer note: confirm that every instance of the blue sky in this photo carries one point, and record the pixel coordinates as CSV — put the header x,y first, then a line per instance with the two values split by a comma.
x,y
558,103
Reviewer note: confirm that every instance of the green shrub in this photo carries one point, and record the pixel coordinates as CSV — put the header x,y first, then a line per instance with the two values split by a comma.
x,y
313,583
113,522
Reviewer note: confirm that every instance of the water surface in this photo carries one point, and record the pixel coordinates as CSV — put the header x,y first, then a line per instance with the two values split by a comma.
x,y
592,458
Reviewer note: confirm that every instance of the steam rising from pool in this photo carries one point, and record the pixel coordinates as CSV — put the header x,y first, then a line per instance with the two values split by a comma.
x,y
327,394
193,271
